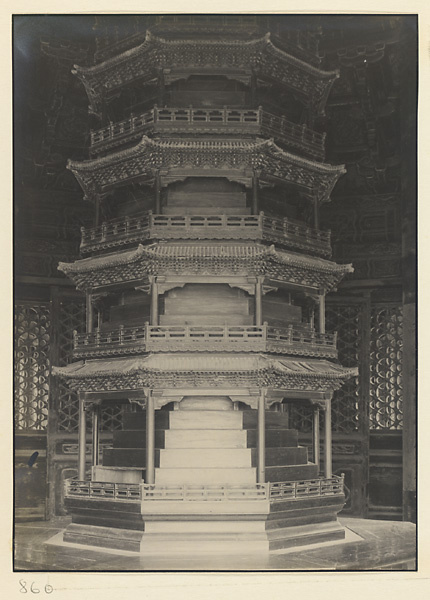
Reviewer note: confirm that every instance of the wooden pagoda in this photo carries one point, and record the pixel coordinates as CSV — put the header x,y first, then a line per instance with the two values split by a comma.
x,y
205,276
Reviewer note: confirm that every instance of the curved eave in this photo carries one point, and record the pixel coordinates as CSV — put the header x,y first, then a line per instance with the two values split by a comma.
x,y
148,155
99,78
90,273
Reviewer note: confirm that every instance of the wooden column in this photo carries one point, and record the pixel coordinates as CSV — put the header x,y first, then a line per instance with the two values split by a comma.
x,y
89,312
97,212
261,442
327,441
316,436
150,439
258,302
96,436
255,193
82,440
321,313
157,185
161,88
154,302
316,214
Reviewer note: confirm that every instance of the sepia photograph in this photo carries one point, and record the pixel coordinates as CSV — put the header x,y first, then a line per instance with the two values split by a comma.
x,y
215,275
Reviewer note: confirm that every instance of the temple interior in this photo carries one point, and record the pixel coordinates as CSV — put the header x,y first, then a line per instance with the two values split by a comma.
x,y
215,278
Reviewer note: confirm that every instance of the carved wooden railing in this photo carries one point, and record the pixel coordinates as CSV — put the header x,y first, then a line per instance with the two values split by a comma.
x,y
103,490
172,338
274,491
256,121
291,490
173,227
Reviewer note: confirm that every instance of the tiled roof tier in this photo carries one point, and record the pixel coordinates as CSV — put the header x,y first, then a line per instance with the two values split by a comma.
x,y
199,157
259,55
233,259
170,370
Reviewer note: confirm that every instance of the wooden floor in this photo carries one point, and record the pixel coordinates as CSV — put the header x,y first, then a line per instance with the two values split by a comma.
x,y
384,545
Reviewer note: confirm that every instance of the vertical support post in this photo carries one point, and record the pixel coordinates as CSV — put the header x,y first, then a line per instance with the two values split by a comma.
x,y
97,211
255,193
154,302
258,302
96,436
327,441
316,214
316,436
261,449
157,183
321,313
161,88
89,312
82,439
150,438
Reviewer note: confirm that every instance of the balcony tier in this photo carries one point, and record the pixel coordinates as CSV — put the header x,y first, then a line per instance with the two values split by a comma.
x,y
148,226
216,121
156,338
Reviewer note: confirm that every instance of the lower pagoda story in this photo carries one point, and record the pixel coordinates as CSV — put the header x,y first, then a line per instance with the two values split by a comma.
x,y
195,469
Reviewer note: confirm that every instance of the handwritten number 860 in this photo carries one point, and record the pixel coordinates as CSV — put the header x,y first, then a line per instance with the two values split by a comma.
x,y
48,589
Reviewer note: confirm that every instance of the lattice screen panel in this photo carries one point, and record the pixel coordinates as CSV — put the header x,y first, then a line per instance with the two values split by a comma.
x,y
386,343
32,366
345,319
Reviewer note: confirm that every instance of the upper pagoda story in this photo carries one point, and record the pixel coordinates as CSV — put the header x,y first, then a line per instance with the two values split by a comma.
x,y
174,57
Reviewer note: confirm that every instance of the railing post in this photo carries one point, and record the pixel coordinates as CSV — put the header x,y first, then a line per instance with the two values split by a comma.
x,y
321,313
261,469
89,312
75,339
150,438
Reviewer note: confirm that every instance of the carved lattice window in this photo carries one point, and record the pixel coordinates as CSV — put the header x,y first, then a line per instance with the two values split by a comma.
x,y
385,410
32,366
345,319
72,316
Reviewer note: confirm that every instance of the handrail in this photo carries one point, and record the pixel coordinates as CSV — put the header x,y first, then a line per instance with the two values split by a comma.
x,y
103,490
260,120
149,225
158,338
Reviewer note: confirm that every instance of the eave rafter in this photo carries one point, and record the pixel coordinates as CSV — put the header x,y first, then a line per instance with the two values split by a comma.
x,y
186,157
259,55
229,260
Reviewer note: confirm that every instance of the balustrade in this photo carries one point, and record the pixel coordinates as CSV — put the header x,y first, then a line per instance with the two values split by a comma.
x,y
260,122
171,338
274,491
246,227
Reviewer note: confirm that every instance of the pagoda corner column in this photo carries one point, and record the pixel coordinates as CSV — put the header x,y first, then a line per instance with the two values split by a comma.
x,y
150,439
157,185
154,302
321,312
261,440
316,214
96,436
82,439
258,302
327,441
89,311
316,436
255,193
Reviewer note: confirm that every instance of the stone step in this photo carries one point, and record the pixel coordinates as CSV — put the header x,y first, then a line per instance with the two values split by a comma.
x,y
275,438
201,526
170,544
282,456
215,476
205,438
204,210
301,535
292,472
243,510
205,419
203,457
